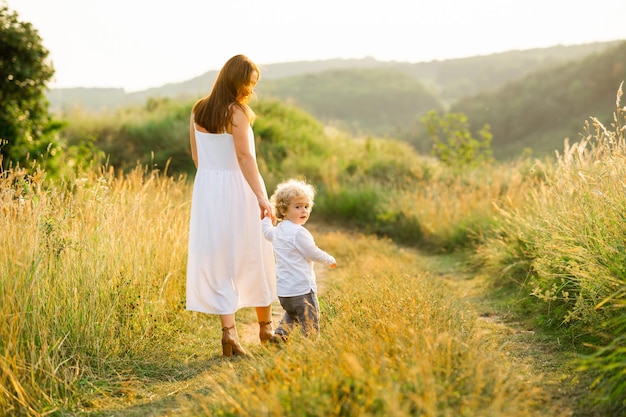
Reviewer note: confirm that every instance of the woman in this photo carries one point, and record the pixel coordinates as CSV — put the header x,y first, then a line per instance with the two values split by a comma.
x,y
230,265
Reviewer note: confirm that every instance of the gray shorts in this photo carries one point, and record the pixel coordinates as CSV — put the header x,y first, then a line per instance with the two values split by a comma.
x,y
303,310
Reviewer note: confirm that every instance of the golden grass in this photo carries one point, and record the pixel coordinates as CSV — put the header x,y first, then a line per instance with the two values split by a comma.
x,y
565,247
570,228
92,293
91,269
457,211
394,342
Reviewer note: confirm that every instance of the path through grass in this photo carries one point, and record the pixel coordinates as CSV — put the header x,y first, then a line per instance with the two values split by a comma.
x,y
543,360
403,334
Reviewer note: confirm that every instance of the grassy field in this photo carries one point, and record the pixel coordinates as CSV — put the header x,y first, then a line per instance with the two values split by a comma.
x,y
95,321
496,291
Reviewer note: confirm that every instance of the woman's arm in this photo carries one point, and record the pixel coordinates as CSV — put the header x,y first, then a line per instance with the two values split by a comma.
x,y
192,142
247,161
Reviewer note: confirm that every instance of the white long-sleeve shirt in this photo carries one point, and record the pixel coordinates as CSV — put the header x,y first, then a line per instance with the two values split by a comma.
x,y
295,251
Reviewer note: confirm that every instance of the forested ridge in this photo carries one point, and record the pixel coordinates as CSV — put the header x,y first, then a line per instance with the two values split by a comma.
x,y
541,109
369,97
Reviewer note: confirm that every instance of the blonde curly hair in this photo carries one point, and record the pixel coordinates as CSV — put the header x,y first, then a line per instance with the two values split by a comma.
x,y
287,191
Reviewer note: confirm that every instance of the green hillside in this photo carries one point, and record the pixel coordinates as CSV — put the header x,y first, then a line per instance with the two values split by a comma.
x,y
370,101
530,98
542,109
459,78
451,79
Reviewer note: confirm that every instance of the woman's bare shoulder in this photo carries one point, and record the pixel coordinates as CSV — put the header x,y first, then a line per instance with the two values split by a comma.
x,y
240,115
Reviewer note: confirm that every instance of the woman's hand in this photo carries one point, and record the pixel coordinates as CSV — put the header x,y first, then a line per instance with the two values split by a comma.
x,y
266,209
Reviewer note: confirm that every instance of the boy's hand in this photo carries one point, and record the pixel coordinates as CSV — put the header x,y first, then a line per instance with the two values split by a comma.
x,y
271,216
333,266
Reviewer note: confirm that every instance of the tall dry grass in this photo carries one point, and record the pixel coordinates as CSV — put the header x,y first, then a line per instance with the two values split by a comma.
x,y
92,287
92,283
565,248
394,342
460,211
385,187
90,272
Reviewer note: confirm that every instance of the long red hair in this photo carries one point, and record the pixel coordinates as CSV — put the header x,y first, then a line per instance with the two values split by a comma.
x,y
232,87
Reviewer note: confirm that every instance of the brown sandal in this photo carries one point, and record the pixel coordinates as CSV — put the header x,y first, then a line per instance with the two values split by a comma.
x,y
230,346
266,332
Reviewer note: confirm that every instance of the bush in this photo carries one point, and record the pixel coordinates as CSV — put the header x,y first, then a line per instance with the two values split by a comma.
x,y
26,130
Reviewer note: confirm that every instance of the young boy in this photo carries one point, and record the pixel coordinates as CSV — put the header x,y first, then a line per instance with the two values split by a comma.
x,y
295,251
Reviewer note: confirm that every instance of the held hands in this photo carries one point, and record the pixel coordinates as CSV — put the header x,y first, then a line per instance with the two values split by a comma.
x,y
266,209
270,215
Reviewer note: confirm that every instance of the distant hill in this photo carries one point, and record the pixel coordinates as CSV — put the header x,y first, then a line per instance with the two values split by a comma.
x,y
378,101
448,79
459,78
371,97
540,110
99,99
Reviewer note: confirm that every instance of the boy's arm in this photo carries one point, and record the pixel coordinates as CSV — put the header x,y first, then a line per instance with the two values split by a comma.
x,y
306,245
268,228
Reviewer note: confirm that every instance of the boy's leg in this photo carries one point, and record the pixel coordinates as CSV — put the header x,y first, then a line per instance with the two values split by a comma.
x,y
289,318
310,314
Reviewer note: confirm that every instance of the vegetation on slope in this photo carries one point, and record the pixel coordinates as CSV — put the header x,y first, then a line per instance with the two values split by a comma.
x,y
357,100
564,249
456,79
541,110
89,313
332,90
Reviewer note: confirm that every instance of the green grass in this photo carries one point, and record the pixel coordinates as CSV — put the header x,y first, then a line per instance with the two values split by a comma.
x,y
92,269
564,249
96,309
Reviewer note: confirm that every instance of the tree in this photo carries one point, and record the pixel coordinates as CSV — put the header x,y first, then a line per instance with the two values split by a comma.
x,y
457,148
26,129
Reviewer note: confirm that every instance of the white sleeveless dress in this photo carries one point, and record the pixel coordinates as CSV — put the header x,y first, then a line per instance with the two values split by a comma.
x,y
230,265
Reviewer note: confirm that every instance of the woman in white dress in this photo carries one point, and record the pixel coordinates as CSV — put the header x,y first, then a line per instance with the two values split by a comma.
x,y
230,265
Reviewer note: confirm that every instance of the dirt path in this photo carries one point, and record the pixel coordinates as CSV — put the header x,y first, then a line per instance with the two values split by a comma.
x,y
544,362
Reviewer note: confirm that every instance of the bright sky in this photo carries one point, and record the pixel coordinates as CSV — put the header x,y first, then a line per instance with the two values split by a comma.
x,y
138,44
